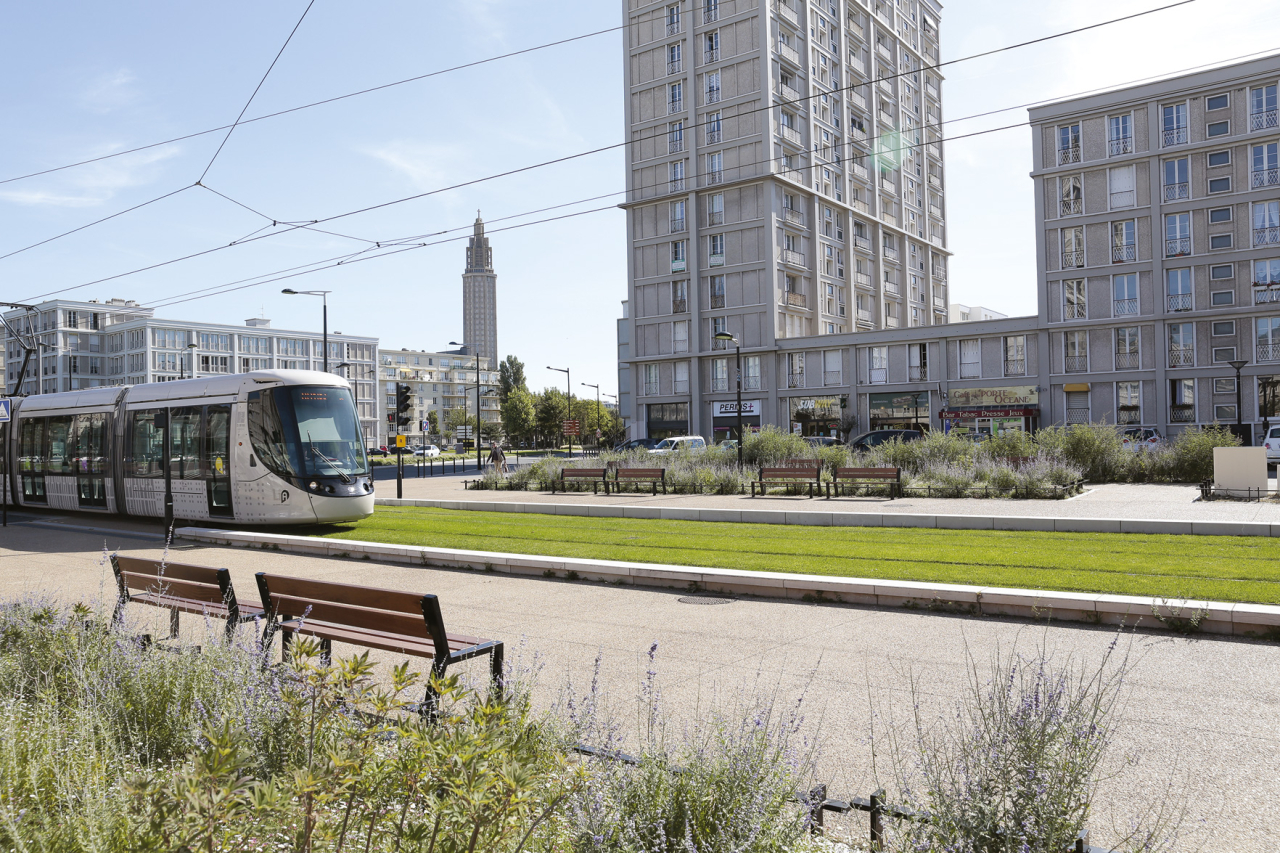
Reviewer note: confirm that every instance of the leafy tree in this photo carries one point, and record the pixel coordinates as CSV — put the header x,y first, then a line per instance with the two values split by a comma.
x,y
510,376
433,422
592,415
551,410
519,417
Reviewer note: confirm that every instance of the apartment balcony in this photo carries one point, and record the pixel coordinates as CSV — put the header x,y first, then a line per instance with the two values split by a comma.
x,y
1124,198
1077,416
797,174
680,386
715,217
1264,178
717,300
1015,367
787,93
790,134
795,380
916,373
1075,311
1124,253
891,287
940,303
1120,145
650,389
715,260
789,53
1264,120
864,316
792,257
680,265
675,66
1266,236
1070,207
888,185
1182,356
787,299
1072,260
860,102
939,272
884,51
1177,247
675,185
676,106
1268,352
711,14
680,345
712,179
890,254
830,377
751,383
710,55
861,206
1184,413
675,146
1176,192
1128,415
1263,296
1176,136
862,279
935,180
713,96
679,306
1077,364
719,384
786,13
935,211
677,225
673,28
878,376
795,217
892,322
1128,361
1124,307
1068,155
1179,301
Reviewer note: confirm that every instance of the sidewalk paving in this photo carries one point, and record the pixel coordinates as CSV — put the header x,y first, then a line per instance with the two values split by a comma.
x,y
1206,710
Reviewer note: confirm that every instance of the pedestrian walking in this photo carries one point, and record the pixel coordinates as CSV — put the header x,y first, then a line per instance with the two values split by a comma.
x,y
497,458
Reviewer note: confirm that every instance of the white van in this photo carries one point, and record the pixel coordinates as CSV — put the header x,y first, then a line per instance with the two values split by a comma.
x,y
680,442
1272,444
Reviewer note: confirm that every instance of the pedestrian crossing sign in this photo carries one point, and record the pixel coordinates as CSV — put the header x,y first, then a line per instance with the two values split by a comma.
x,y
4,411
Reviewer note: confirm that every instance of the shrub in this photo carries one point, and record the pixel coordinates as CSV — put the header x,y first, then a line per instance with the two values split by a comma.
x,y
771,445
1193,452
1095,449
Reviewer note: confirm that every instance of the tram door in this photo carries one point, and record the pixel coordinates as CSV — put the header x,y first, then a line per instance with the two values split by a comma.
x,y
89,459
218,452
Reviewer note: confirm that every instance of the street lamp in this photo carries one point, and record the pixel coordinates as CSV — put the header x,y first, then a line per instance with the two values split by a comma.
x,y
597,387
725,336
1237,366
479,461
324,297
612,434
568,387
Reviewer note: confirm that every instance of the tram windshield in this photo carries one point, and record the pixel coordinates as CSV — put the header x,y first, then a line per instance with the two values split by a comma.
x,y
307,431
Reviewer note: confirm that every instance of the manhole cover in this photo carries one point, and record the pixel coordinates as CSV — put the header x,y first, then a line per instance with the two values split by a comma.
x,y
703,599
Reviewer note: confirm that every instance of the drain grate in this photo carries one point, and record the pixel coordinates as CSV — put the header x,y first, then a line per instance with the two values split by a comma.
x,y
703,599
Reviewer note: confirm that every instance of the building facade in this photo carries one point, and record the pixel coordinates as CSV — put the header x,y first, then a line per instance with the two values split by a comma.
x,y
93,344
785,184
1158,248
958,313
440,382
480,297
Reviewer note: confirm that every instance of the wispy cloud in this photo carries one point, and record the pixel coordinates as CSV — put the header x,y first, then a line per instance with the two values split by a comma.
x,y
110,91
96,183
425,166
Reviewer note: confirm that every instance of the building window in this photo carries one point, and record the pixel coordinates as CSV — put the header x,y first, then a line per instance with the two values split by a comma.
x,y
679,297
1222,328
1182,401
679,251
1068,144
1220,241
1219,185
1222,297
1224,414
879,366
1128,402
970,358
1119,135
678,223
1073,300
1127,354
1124,241
1015,355
717,291
675,176
1177,285
1221,355
1263,171
1176,184
1177,235
680,336
1218,128
1175,124
1224,386
795,370
715,209
674,65
719,375
1120,185
718,326
1262,108
1070,195
1220,214
1076,352
715,245
1072,248
1182,350
1217,102
1266,223
1220,158
918,362
714,134
650,388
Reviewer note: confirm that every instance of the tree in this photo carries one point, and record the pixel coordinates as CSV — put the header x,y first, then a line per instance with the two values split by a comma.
x,y
510,376
519,417
433,422
591,415
491,431
551,411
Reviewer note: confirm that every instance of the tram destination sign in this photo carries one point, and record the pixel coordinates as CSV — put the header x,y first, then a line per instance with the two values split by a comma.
x,y
5,410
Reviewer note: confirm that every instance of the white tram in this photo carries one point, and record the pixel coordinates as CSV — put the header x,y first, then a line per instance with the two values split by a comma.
x,y
267,447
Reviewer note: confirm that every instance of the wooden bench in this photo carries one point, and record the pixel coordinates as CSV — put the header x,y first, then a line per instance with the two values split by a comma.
x,y
892,477
792,475
406,623
596,476
652,476
179,588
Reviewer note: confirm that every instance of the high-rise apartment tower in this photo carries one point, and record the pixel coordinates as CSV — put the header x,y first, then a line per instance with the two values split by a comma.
x,y
479,297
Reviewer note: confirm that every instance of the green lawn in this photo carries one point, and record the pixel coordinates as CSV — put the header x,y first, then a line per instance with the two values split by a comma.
x,y
1212,567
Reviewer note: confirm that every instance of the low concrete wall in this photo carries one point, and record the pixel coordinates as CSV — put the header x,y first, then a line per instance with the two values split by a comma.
x,y
865,519
1173,614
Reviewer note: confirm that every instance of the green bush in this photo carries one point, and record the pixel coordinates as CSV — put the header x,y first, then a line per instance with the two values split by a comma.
x,y
1193,452
771,446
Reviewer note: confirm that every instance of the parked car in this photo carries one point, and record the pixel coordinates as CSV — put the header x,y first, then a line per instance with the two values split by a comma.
x,y
1272,444
1140,438
821,440
646,443
729,444
680,442
427,450
870,439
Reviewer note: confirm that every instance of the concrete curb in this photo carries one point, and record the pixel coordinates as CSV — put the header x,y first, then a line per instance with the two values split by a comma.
x,y
1257,620
866,519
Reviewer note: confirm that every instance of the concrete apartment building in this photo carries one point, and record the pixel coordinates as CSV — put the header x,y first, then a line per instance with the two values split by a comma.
x,y
958,313
785,185
439,381
1158,248
118,342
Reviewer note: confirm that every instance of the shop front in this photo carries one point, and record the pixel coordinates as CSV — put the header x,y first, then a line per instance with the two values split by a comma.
x,y
991,411
909,410
817,415
724,418
663,420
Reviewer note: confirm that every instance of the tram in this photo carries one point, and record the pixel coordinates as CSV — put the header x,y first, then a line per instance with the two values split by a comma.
x,y
265,447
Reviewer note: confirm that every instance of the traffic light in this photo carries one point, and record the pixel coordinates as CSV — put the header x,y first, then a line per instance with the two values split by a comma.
x,y
403,404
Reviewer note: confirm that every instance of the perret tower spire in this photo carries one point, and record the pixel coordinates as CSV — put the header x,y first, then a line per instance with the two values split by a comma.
x,y
479,298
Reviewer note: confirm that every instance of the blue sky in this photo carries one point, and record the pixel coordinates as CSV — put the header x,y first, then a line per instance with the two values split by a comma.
x,y
86,79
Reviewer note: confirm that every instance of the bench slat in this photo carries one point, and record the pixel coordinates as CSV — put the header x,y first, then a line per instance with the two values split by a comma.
x,y
574,473
642,473
457,643
387,621
346,594
186,605
173,571
173,588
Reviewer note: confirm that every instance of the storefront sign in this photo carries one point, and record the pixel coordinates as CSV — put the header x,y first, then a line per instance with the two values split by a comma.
x,y
975,398
968,414
730,408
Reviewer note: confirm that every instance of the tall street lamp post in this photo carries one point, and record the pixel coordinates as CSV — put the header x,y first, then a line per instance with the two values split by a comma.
x,y
1237,366
612,434
191,350
479,461
725,336
597,387
568,387
324,298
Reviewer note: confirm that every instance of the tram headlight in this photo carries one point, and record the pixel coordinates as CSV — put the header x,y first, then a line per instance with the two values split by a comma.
x,y
314,485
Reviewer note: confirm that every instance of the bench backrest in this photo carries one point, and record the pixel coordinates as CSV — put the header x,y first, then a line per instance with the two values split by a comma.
x,y
582,473
391,611
641,473
868,473
799,463
795,472
179,580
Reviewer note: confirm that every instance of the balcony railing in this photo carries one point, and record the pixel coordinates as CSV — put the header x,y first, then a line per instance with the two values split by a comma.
x,y
1179,301
1175,136
830,377
713,178
787,13
1266,236
679,306
677,225
883,50
1068,155
714,135
891,322
970,370
751,383
939,273
861,206
788,53
680,386
1182,414
717,300
711,14
1075,311
1127,415
675,146
1071,260
1182,355
719,384
675,66
939,302
916,373
1077,364
791,134
1264,178
673,28
787,93
651,389
862,279
888,185
1177,247
716,343
713,96
1015,367
792,300
1071,206
710,55
1268,352
890,253
1077,416
1128,361
878,376
715,217
1124,253
679,344
794,216
891,287
795,380
1262,120
1120,145
935,179
675,106
1262,296
675,185
1173,192
1124,307
790,256
1124,198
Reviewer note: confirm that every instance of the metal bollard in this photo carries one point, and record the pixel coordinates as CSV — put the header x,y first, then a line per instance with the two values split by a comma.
x,y
877,820
817,817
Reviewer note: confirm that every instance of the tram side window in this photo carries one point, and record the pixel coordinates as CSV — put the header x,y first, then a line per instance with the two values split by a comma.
x,y
147,444
90,448
184,448
266,433
31,446
59,446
